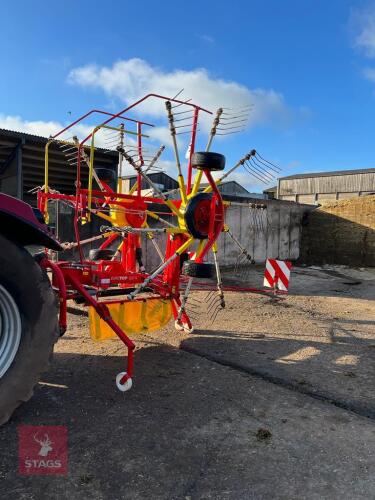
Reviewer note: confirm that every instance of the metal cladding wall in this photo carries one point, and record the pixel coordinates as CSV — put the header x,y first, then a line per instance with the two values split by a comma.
x,y
270,232
274,232
22,165
316,188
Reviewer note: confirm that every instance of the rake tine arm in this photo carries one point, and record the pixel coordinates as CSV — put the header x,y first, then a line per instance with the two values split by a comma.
x,y
243,249
184,300
215,124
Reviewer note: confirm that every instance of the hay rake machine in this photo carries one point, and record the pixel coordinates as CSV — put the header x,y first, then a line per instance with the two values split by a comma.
x,y
122,297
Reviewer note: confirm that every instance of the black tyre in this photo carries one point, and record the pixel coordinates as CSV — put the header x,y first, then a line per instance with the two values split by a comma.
x,y
28,327
199,270
208,161
197,215
104,254
105,174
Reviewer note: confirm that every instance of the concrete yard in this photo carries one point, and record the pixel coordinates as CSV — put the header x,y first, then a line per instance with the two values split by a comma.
x,y
275,400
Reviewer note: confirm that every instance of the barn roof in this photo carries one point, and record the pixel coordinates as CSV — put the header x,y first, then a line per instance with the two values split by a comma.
x,y
329,174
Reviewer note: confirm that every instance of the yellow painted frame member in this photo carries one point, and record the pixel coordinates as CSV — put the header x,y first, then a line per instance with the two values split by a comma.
x,y
139,316
46,169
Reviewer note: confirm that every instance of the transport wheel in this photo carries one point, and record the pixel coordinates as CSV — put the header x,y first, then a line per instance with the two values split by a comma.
x,y
183,327
28,325
197,215
104,254
123,386
199,269
208,161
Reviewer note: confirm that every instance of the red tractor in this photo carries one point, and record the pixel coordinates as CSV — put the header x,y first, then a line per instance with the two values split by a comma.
x,y
28,306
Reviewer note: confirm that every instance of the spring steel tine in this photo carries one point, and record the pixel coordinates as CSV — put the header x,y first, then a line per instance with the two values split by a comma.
x,y
211,297
210,300
256,172
181,104
232,122
109,137
184,300
256,221
112,142
262,221
277,168
231,128
216,306
214,309
243,249
267,174
186,132
182,126
194,302
183,112
73,153
248,169
234,117
67,148
229,133
184,118
178,93
213,318
264,166
259,220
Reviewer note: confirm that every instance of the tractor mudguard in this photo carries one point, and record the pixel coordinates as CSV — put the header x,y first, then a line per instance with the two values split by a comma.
x,y
20,224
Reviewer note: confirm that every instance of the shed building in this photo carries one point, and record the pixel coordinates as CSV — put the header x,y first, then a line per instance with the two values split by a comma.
x,y
22,165
316,188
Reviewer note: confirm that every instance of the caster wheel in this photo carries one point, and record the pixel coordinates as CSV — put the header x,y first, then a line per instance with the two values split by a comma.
x,y
183,327
124,386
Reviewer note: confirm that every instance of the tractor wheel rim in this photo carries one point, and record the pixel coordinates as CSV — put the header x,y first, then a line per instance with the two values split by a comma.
x,y
10,330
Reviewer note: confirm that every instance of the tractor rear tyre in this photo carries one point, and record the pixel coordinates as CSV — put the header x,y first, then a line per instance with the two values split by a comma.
x,y
28,325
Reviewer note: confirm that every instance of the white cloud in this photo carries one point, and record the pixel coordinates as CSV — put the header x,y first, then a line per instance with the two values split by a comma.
x,y
369,74
37,127
363,21
161,134
48,128
129,80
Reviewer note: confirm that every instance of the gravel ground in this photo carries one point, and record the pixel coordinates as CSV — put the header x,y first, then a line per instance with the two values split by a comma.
x,y
274,400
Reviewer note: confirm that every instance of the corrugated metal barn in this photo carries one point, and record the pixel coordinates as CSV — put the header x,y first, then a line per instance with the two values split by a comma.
x,y
317,187
22,165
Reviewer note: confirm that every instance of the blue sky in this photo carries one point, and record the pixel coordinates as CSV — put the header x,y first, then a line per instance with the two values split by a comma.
x,y
305,65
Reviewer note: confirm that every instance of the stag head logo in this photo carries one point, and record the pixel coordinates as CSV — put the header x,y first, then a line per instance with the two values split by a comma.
x,y
45,445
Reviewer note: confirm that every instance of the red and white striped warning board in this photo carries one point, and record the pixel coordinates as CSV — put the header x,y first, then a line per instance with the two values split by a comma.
x,y
277,274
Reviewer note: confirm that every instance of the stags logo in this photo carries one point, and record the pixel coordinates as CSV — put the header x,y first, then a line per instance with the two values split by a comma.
x,y
45,445
42,450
